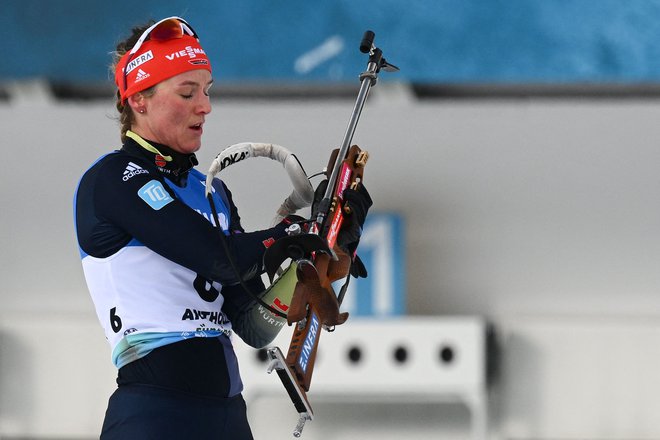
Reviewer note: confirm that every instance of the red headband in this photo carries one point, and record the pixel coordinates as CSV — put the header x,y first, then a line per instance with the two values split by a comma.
x,y
157,60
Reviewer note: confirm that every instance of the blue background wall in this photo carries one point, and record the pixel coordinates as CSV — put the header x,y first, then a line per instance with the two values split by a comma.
x,y
433,41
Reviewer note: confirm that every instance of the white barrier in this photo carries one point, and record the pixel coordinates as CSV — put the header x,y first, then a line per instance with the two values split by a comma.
x,y
426,359
57,374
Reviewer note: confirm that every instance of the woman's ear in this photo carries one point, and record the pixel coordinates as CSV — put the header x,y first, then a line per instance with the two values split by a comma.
x,y
136,101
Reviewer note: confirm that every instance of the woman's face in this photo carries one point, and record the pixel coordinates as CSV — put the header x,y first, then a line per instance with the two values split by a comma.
x,y
174,115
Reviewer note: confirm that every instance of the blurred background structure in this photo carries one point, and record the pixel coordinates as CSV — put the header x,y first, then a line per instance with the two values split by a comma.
x,y
514,157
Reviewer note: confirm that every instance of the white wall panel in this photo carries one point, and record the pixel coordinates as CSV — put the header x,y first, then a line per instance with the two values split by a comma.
x,y
523,208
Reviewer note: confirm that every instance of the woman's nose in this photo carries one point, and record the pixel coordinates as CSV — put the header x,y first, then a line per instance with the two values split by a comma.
x,y
204,105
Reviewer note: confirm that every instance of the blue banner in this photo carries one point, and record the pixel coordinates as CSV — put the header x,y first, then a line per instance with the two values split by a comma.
x,y
432,41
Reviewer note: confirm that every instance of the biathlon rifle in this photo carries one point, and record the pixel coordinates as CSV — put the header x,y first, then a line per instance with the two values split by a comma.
x,y
319,260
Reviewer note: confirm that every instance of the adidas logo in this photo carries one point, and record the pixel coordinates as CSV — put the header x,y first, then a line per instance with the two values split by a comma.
x,y
141,74
133,170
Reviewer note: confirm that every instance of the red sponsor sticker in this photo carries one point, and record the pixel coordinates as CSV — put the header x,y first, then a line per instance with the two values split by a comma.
x,y
337,220
344,180
268,242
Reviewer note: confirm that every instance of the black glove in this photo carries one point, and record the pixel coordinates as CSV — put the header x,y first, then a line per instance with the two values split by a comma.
x,y
358,269
358,201
294,219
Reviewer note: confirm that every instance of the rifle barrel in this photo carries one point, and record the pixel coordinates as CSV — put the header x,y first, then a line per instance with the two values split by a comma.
x,y
368,79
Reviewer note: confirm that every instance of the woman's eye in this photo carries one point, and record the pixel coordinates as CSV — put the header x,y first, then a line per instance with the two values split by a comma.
x,y
187,96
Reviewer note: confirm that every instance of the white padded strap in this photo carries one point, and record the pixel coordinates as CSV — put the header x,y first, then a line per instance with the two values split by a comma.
x,y
302,194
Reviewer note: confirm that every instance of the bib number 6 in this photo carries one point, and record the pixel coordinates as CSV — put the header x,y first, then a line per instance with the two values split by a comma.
x,y
115,320
205,289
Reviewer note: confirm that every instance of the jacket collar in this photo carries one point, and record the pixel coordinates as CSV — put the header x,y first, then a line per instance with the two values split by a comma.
x,y
172,164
